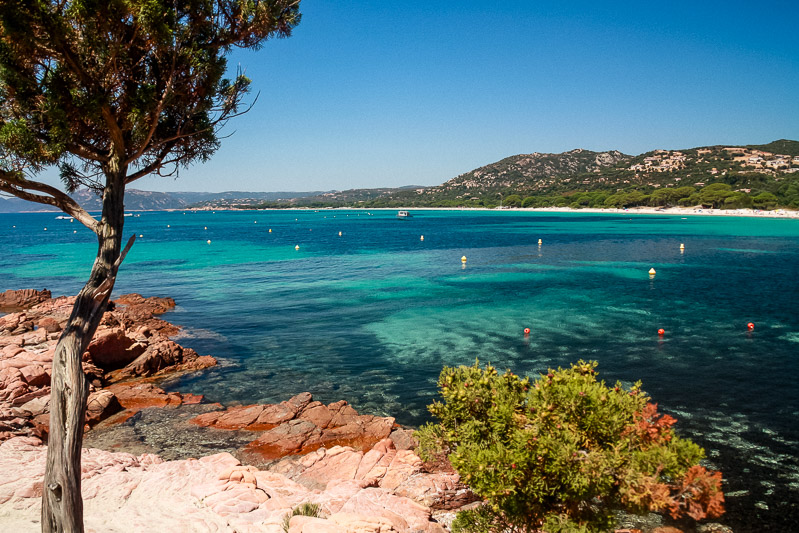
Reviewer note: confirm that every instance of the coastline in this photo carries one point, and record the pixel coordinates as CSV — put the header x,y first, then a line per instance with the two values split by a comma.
x,y
676,211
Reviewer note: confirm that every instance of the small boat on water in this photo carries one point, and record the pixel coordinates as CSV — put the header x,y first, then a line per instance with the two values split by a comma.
x,y
63,217
403,214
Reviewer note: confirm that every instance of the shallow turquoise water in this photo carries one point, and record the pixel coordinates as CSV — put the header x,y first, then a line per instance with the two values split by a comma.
x,y
372,315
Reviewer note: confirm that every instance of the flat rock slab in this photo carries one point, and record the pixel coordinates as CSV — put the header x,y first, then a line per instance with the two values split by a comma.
x,y
124,492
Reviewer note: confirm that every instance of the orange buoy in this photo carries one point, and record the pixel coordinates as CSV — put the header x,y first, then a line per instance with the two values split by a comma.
x,y
661,332
750,326
526,331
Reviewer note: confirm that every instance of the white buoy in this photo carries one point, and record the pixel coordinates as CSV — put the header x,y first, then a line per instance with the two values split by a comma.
x,y
539,242
140,235
339,234
270,230
421,238
45,229
168,226
463,259
205,227
682,246
651,271
75,231
208,241
297,247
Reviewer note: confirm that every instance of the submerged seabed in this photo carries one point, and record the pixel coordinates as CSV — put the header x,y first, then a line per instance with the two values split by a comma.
x,y
373,314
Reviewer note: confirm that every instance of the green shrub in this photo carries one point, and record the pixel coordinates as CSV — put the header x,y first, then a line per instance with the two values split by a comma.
x,y
561,453
304,509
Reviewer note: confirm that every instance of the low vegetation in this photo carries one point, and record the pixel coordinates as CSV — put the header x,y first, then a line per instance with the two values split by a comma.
x,y
563,452
304,509
722,177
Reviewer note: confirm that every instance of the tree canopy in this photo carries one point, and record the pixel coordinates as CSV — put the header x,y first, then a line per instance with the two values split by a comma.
x,y
130,86
111,91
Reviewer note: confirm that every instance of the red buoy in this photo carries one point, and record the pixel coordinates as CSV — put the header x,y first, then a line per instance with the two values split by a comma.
x,y
661,332
526,331
750,326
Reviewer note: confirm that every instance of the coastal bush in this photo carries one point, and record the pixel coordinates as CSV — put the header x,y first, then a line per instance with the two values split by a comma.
x,y
563,452
304,509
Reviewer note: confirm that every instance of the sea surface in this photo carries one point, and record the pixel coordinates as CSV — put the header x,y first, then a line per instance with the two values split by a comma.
x,y
368,311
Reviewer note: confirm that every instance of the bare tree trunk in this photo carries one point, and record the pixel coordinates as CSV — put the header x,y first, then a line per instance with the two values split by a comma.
x,y
62,504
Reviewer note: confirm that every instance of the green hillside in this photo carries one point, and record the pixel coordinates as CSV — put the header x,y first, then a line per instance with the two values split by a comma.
x,y
722,176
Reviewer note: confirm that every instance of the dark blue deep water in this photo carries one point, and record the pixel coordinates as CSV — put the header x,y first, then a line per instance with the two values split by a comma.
x,y
372,315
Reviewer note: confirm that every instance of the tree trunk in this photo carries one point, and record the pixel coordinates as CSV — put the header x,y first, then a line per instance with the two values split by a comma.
x,y
62,504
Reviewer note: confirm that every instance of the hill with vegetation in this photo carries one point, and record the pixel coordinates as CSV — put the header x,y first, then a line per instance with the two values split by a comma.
x,y
753,176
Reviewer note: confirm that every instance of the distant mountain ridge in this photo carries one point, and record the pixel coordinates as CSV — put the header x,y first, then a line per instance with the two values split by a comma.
x,y
137,200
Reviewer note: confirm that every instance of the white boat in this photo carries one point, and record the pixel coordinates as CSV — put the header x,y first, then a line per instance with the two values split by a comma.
x,y
63,217
403,214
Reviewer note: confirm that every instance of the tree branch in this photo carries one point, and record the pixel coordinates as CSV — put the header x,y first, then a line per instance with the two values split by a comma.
x,y
14,183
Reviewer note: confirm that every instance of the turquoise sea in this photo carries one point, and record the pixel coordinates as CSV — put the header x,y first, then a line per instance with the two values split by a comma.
x,y
373,314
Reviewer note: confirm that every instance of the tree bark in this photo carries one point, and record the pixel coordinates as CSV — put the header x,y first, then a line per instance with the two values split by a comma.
x,y
62,504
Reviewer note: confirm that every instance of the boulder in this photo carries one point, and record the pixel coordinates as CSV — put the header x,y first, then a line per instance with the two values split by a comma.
x,y
112,348
100,405
49,324
11,300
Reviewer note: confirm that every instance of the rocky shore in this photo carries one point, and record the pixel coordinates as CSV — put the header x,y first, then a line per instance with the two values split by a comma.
x,y
360,470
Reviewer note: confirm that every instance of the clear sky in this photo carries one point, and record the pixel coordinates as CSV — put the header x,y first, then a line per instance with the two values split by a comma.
x,y
376,93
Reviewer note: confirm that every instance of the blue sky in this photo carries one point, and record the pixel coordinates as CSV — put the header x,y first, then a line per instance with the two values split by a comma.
x,y
383,94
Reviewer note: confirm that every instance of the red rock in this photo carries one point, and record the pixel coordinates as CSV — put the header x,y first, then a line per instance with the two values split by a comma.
x,y
49,324
343,413
111,349
403,439
141,395
36,375
100,405
22,299
237,417
285,439
318,414
162,357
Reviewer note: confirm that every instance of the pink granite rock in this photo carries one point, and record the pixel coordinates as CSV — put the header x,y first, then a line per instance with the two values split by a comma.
x,y
23,298
100,405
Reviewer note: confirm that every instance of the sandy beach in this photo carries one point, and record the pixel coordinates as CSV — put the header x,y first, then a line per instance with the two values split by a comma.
x,y
679,211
